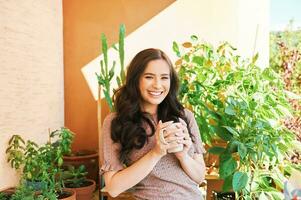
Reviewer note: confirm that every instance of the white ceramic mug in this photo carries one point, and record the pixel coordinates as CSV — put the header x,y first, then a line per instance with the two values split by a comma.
x,y
175,149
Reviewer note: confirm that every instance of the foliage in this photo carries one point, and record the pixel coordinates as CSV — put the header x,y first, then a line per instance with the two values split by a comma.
x,y
75,177
242,104
285,56
40,164
23,193
4,196
106,74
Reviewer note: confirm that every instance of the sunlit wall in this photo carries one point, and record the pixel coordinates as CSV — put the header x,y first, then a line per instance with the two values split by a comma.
x,y
31,74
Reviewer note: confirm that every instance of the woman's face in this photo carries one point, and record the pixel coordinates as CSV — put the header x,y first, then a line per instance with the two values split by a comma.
x,y
154,85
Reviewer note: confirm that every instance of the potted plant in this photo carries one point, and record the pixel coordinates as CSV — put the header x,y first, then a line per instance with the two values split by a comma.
x,y
88,158
7,193
75,178
243,105
41,165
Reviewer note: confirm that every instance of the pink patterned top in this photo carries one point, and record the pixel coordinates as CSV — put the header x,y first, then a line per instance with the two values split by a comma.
x,y
167,180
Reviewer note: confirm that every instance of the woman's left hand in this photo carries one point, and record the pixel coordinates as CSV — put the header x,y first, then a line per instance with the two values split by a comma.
x,y
186,141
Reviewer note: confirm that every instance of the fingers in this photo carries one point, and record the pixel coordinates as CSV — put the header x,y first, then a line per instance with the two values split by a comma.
x,y
163,125
184,128
172,134
172,145
173,138
185,142
173,131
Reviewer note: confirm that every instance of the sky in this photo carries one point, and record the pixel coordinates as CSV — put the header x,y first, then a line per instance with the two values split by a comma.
x,y
284,10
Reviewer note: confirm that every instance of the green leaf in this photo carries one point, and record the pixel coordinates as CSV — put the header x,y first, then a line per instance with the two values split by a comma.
x,y
227,186
186,58
104,49
223,133
60,161
198,60
102,70
194,38
230,110
255,58
121,48
232,147
232,130
118,81
216,150
240,180
242,150
175,48
227,167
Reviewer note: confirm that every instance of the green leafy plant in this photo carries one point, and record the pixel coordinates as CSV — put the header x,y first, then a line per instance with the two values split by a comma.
x,y
40,165
75,177
4,196
236,101
107,73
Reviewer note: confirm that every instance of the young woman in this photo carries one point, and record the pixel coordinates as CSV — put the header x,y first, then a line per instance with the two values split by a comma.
x,y
148,123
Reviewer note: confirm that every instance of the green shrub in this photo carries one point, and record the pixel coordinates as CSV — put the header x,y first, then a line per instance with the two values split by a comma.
x,y
242,104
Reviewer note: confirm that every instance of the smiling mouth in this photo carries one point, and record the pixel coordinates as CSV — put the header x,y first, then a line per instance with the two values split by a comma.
x,y
155,93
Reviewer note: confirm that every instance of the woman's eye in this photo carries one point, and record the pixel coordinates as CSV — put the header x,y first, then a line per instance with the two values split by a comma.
x,y
165,77
148,77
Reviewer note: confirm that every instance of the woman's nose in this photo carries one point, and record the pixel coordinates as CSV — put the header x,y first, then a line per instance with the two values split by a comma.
x,y
157,84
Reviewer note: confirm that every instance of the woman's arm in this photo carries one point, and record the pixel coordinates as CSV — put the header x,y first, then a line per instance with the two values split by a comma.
x,y
119,181
194,166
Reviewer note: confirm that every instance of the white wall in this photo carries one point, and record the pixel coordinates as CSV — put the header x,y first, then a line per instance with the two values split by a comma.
x,y
31,74
214,21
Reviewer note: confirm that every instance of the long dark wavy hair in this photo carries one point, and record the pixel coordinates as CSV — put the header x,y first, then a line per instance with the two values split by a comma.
x,y
127,127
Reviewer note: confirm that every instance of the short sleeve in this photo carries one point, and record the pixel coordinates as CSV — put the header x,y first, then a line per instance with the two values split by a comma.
x,y
198,145
108,150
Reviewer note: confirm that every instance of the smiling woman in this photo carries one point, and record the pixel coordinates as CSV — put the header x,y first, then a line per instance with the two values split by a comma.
x,y
151,140
154,84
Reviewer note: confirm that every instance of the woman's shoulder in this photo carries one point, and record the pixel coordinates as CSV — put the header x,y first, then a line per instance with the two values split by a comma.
x,y
188,114
110,116
108,119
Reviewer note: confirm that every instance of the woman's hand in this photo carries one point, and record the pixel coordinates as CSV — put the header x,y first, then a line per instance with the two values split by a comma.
x,y
161,147
186,140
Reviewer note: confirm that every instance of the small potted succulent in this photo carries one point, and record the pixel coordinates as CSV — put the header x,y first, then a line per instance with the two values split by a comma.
x,y
88,158
76,179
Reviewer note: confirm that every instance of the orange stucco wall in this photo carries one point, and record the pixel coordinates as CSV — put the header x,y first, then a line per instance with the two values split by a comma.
x,y
84,21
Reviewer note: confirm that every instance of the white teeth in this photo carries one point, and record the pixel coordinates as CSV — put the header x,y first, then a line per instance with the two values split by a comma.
x,y
155,93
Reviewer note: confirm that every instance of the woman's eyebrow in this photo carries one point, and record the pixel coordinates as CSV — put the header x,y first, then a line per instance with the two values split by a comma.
x,y
147,73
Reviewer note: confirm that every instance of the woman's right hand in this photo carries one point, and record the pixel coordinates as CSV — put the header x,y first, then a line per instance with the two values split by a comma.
x,y
160,148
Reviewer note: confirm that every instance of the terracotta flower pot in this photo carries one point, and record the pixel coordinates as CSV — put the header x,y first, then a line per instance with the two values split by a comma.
x,y
87,158
85,192
68,194
8,192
